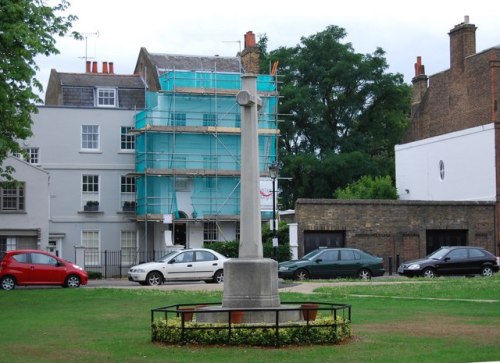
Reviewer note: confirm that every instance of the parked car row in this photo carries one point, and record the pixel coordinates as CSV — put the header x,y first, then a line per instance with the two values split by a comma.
x,y
34,267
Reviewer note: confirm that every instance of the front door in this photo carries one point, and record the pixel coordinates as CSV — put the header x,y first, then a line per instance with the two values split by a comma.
x,y
180,234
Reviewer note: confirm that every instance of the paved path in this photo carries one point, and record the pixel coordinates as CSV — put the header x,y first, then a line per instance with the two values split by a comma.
x,y
284,286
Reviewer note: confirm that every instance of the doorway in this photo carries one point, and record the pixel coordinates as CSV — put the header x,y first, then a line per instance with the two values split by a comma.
x,y
180,234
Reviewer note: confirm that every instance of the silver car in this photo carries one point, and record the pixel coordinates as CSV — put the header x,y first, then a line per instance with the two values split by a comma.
x,y
194,264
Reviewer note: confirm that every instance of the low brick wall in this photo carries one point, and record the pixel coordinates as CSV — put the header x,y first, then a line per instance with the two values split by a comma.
x,y
389,228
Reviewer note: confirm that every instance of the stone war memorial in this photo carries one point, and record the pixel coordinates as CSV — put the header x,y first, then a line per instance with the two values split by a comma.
x,y
251,312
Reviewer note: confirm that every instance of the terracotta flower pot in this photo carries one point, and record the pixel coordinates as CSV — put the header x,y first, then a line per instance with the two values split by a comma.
x,y
309,311
186,313
237,317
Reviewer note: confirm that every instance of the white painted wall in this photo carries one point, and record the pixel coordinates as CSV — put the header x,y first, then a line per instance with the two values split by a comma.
x,y
36,214
57,134
468,157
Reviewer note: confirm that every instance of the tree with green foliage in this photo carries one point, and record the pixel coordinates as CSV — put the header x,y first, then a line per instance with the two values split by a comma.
x,y
367,187
343,114
27,29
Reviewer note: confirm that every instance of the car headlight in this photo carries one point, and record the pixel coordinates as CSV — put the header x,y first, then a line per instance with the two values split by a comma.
x,y
77,267
283,268
414,266
140,270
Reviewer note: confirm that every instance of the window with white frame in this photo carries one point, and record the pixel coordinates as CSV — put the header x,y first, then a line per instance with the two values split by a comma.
x,y
90,188
33,155
91,242
12,197
127,139
210,232
106,97
7,244
127,190
90,137
30,155
128,241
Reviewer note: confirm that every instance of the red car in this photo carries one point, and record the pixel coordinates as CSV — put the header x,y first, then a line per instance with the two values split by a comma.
x,y
34,267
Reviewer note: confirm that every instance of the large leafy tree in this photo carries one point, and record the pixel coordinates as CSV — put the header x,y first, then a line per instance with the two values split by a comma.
x,y
27,29
343,113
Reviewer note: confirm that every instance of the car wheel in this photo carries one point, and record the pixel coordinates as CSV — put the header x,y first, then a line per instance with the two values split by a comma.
x,y
429,273
301,274
8,283
72,281
154,278
487,271
364,274
219,277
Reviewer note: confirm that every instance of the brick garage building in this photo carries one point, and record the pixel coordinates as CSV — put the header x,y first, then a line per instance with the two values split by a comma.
x,y
392,228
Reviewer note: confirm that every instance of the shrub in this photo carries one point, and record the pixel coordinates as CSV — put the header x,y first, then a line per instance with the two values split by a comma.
x,y
94,275
320,331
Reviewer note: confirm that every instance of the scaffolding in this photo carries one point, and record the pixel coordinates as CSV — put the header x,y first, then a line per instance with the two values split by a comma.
x,y
188,145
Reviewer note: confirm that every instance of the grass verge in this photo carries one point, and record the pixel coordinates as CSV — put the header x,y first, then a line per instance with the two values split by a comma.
x,y
445,320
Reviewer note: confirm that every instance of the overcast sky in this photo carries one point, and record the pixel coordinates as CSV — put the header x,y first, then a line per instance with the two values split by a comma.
x,y
404,29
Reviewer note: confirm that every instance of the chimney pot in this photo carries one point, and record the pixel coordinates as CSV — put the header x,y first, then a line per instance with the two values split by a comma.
x,y
249,39
111,68
94,67
87,66
105,67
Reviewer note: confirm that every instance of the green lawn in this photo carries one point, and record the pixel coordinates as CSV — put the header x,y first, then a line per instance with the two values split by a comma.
x,y
443,320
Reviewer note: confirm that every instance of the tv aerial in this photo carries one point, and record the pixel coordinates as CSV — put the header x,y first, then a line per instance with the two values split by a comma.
x,y
85,37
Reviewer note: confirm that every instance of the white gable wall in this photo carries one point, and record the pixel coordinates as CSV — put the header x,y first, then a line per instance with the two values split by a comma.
x,y
468,157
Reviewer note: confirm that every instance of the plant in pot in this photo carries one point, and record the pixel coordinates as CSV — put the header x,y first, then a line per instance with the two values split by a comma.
x,y
129,206
309,311
92,205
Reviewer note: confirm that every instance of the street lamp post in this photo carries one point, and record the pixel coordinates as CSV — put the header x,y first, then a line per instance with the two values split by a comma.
x,y
273,173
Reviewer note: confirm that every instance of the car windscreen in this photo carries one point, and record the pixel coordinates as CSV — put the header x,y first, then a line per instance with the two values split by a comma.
x,y
437,255
167,256
311,255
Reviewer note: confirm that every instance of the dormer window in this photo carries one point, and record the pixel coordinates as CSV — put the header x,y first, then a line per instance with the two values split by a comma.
x,y
106,97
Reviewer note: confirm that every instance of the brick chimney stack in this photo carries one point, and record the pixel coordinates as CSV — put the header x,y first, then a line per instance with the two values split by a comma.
x,y
419,82
462,44
250,56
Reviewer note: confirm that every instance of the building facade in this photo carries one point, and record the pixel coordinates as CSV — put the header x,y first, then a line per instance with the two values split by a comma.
x,y
188,148
81,139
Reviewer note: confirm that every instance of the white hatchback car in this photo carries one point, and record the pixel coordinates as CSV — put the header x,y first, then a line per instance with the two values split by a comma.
x,y
194,264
